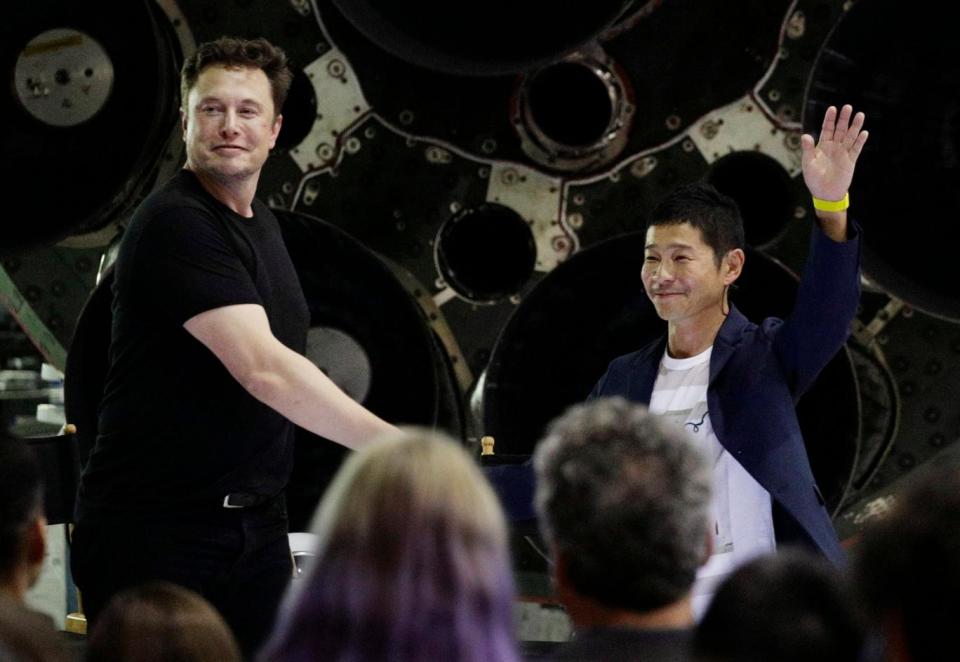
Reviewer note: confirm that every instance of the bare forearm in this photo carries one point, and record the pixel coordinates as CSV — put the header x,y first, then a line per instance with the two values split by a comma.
x,y
297,389
239,335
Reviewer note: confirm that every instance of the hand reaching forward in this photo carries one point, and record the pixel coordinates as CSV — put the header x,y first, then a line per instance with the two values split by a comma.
x,y
828,165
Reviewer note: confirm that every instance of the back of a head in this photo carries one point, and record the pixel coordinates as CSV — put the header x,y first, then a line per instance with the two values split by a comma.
x,y
21,499
161,622
790,607
906,565
625,499
716,215
412,562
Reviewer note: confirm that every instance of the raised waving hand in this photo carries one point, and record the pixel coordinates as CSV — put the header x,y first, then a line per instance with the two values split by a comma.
x,y
829,162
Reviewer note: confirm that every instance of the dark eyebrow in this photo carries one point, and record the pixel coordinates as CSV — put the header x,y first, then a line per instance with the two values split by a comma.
x,y
674,245
243,102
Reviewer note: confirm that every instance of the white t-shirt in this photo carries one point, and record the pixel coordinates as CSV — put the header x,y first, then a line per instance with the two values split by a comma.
x,y
741,513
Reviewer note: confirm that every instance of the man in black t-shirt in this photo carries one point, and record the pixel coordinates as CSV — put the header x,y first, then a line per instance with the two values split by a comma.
x,y
206,375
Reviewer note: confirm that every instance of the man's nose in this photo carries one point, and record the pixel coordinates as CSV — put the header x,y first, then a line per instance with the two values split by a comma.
x,y
663,272
229,124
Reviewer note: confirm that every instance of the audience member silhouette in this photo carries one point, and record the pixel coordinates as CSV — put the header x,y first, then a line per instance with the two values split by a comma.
x,y
24,634
623,502
906,568
412,563
22,523
790,607
28,636
161,622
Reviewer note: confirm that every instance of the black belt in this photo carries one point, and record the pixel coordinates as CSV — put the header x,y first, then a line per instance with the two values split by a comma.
x,y
244,500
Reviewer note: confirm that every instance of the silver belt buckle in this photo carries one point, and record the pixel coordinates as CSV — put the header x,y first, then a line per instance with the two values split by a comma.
x,y
227,504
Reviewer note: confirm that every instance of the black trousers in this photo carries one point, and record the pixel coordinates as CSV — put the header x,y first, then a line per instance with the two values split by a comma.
x,y
238,559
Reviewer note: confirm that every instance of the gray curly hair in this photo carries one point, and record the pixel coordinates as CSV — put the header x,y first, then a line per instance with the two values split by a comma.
x,y
625,498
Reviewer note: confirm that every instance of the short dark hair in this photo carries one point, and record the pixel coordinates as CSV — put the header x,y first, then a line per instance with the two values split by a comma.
x,y
907,563
161,621
21,497
233,52
625,498
716,215
790,606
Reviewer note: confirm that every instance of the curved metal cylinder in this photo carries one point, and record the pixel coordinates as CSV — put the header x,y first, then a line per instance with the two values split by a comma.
x,y
901,68
485,253
574,114
489,38
91,111
763,190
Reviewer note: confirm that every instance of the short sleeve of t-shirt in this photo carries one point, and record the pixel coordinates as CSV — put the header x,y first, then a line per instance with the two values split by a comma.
x,y
187,264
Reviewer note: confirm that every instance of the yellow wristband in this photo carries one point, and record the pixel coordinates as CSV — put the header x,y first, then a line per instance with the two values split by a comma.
x,y
832,205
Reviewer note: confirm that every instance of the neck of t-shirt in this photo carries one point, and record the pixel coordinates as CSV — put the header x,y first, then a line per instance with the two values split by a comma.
x,y
237,201
671,363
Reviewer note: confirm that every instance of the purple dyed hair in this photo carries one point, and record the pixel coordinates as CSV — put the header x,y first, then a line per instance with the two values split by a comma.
x,y
412,564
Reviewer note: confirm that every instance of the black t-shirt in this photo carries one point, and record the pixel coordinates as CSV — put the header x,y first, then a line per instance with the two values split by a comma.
x,y
175,428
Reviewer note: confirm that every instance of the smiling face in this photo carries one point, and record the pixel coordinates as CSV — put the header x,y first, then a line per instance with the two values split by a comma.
x,y
229,123
681,275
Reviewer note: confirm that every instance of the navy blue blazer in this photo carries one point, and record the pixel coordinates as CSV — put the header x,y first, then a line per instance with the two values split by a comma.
x,y
757,373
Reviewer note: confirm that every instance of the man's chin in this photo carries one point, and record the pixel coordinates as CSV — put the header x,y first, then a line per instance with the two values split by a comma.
x,y
663,312
226,173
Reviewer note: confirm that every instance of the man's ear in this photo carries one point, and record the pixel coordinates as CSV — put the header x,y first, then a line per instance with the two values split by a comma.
x,y
733,265
277,123
35,547
36,540
183,124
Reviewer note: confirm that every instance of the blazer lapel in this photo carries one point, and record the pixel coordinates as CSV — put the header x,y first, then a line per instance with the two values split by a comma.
x,y
645,365
646,362
726,341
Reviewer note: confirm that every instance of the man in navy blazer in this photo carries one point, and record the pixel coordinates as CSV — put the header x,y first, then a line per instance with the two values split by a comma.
x,y
749,376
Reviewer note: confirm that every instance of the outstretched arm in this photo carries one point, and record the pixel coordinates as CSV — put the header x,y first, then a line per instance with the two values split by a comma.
x,y
240,337
828,166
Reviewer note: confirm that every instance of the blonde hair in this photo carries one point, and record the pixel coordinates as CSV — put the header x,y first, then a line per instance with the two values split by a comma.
x,y
427,473
412,561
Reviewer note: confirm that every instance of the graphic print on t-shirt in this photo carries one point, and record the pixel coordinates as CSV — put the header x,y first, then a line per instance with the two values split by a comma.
x,y
740,507
695,421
